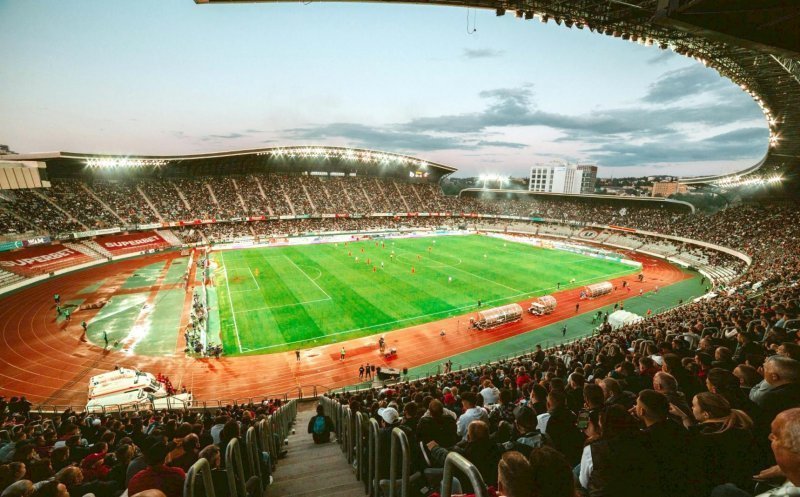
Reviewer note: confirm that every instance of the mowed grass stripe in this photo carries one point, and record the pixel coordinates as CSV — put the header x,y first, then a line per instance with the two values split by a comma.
x,y
364,302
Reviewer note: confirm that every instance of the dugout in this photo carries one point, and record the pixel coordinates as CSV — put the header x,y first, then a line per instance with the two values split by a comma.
x,y
598,289
497,316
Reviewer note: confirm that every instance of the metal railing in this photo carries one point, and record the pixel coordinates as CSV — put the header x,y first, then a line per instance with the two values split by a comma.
x,y
234,470
457,461
399,441
202,468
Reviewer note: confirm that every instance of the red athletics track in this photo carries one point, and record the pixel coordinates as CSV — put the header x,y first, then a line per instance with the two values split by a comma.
x,y
51,365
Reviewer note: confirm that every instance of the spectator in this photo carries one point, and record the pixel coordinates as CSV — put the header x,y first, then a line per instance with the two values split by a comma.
x,y
551,473
471,412
721,442
514,476
321,426
437,426
618,463
157,475
780,388
559,424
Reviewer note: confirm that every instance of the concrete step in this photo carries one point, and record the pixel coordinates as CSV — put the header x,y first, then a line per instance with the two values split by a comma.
x,y
311,470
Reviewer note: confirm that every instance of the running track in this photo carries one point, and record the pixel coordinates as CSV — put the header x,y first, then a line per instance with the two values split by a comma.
x,y
51,365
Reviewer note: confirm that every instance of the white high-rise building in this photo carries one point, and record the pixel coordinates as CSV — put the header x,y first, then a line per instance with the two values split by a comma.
x,y
556,178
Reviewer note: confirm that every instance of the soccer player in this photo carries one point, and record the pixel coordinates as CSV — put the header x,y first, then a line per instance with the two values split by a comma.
x,y
84,326
412,270
564,331
577,308
57,298
442,333
641,292
297,355
449,279
361,372
381,264
105,339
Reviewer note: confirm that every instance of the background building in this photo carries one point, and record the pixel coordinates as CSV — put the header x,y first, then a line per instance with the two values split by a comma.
x,y
589,177
667,188
562,178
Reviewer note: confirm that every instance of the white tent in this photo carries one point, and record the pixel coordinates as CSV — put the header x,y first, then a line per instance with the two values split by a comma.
x,y
621,318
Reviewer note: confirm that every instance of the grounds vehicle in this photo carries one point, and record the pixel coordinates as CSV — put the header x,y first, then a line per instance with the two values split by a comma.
x,y
543,305
491,318
131,389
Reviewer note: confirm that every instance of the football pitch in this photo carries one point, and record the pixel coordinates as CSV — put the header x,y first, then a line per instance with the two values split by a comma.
x,y
273,299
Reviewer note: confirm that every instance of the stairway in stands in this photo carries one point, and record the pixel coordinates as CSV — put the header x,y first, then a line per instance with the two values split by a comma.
x,y
311,470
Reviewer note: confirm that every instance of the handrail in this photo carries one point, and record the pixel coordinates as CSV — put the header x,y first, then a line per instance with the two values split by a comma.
x,y
360,423
455,460
374,442
201,467
254,456
233,468
399,440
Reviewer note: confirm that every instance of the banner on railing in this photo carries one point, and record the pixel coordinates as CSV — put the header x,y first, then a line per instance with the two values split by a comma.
x,y
6,246
90,233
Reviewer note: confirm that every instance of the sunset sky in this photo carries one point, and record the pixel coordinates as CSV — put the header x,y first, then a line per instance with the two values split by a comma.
x,y
172,77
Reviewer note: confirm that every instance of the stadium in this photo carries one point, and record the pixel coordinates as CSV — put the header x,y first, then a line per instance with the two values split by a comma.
x,y
247,287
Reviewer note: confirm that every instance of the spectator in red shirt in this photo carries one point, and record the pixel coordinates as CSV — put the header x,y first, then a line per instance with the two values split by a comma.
x,y
157,475
523,378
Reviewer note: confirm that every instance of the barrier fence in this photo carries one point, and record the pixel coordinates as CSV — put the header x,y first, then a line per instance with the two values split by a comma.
x,y
363,448
254,456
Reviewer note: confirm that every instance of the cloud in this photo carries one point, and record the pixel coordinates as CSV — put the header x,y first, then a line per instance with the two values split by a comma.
x,y
482,53
662,57
654,129
680,83
229,136
504,144
743,143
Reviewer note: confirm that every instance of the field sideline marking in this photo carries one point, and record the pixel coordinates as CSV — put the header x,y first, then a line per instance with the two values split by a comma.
x,y
230,302
254,278
469,306
284,305
307,276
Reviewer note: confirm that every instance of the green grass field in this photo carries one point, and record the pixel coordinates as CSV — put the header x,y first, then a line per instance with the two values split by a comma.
x,y
283,298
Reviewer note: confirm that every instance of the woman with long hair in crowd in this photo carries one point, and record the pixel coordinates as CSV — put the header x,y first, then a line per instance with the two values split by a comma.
x,y
721,441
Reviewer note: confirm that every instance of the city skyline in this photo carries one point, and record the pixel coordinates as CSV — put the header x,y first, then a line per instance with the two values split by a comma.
x,y
178,78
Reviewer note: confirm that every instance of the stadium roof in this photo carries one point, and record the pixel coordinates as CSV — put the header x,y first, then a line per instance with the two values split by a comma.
x,y
359,155
755,44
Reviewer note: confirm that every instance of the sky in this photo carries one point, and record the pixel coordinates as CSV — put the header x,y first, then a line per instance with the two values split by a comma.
x,y
481,93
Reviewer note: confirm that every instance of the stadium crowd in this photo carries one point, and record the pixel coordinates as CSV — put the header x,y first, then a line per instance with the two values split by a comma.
x,y
78,454
703,400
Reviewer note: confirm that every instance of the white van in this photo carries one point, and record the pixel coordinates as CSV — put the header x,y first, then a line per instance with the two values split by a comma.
x,y
130,389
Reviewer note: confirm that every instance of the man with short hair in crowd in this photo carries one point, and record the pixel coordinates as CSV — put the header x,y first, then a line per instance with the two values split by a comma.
x,y
158,475
471,412
667,441
526,436
780,389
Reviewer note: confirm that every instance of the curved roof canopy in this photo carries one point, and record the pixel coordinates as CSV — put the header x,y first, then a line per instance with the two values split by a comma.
x,y
344,154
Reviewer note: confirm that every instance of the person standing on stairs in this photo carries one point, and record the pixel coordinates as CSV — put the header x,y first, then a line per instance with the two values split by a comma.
x,y
320,427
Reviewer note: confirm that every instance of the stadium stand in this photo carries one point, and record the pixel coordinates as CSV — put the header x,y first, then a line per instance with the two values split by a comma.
x,y
235,450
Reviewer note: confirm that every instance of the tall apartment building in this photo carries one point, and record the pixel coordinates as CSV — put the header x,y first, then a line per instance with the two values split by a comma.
x,y
557,178
589,177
